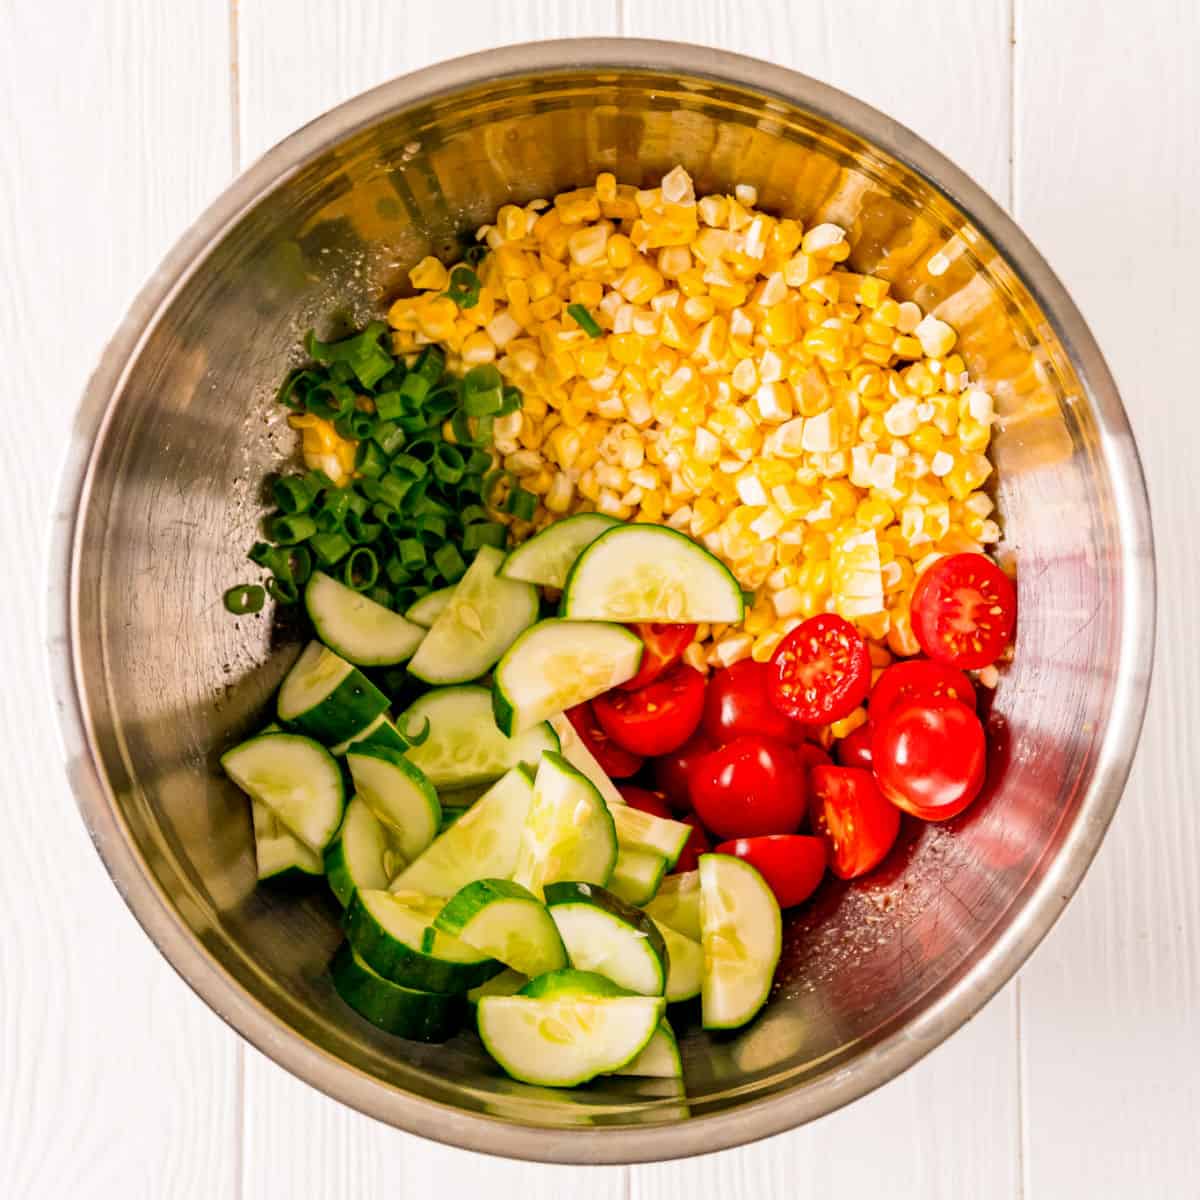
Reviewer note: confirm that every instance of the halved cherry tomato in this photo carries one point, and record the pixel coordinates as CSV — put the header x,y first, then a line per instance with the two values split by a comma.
x,y
821,671
854,750
739,701
964,609
918,679
657,719
929,758
615,761
854,817
673,771
662,645
811,755
695,846
644,800
750,786
792,864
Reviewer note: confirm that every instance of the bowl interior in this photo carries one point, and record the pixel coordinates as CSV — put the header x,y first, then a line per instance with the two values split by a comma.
x,y
168,679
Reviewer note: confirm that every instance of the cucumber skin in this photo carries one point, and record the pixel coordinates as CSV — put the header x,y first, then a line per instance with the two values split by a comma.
x,y
395,758
572,982
338,874
329,723
600,897
466,904
404,1012
522,551
410,968
649,889
334,643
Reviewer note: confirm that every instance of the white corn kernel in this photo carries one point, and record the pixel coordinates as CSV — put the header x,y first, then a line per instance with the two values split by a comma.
x,y
774,401
751,491
820,433
502,328
770,367
677,187
901,419
707,447
788,602
910,317
822,237
740,325
941,464
980,503
681,518
746,194
980,406
695,657
767,526
774,291
936,337
745,376
989,677
733,649
558,498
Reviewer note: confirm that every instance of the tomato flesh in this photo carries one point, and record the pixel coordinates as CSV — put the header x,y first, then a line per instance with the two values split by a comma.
x,y
656,719
930,758
854,750
964,609
854,817
821,671
644,800
739,702
695,846
672,772
792,864
662,645
918,679
616,762
750,786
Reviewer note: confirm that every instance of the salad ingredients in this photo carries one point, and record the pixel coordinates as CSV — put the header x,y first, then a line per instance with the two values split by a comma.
x,y
358,628
750,786
918,680
326,697
673,771
646,801
615,760
363,855
821,671
739,701
792,864
657,718
662,645
399,794
854,817
697,844
854,750
964,609
548,556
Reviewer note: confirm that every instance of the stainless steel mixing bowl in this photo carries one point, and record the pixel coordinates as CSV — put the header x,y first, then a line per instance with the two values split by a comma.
x,y
162,493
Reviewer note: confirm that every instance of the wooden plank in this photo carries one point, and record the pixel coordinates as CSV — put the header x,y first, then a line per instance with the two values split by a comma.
x,y
116,1080
1107,171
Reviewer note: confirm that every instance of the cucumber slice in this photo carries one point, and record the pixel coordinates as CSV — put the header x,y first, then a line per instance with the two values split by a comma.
x,y
604,934
481,844
660,1059
450,817
650,573
484,617
547,558
356,627
405,1012
678,904
573,749
507,922
464,746
296,778
430,606
382,732
507,983
685,964
637,874
572,982
558,664
363,856
565,1040
568,834
327,698
397,793
392,934
741,934
639,830
277,851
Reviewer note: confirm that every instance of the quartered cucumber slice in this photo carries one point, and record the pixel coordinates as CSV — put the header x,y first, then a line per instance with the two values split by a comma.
x,y
382,731
507,983
639,830
328,698
481,844
397,793
678,904
637,874
483,618
650,573
356,627
548,557
573,749
741,934
430,606
406,1012
565,1040
277,851
393,935
363,856
464,746
507,922
568,834
685,964
604,934
660,1059
558,664
296,778
572,982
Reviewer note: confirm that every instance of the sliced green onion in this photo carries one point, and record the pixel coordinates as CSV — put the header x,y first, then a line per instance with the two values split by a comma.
x,y
283,591
396,571
359,530
392,518
492,482
521,504
449,562
479,462
411,554
425,372
295,389
483,391
389,436
448,464
389,405
512,400
319,479
293,493
584,320
288,530
432,576
416,739
329,547
464,287
409,465
299,565
370,460
380,594
331,509
474,512
245,598
432,527
474,255
485,533
442,401
369,361
393,489
361,569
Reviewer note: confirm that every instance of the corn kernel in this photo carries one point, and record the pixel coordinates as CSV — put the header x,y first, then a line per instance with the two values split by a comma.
x,y
429,274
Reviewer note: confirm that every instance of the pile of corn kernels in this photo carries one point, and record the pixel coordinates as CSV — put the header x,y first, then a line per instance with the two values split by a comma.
x,y
821,438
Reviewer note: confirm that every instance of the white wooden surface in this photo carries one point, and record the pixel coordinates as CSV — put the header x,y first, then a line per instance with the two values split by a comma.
x,y
120,119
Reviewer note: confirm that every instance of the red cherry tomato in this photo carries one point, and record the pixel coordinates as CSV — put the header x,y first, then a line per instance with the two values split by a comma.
x,y
854,817
617,763
929,758
750,786
792,864
821,671
918,679
673,771
964,609
739,701
854,750
644,800
695,846
659,718
811,755
662,645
